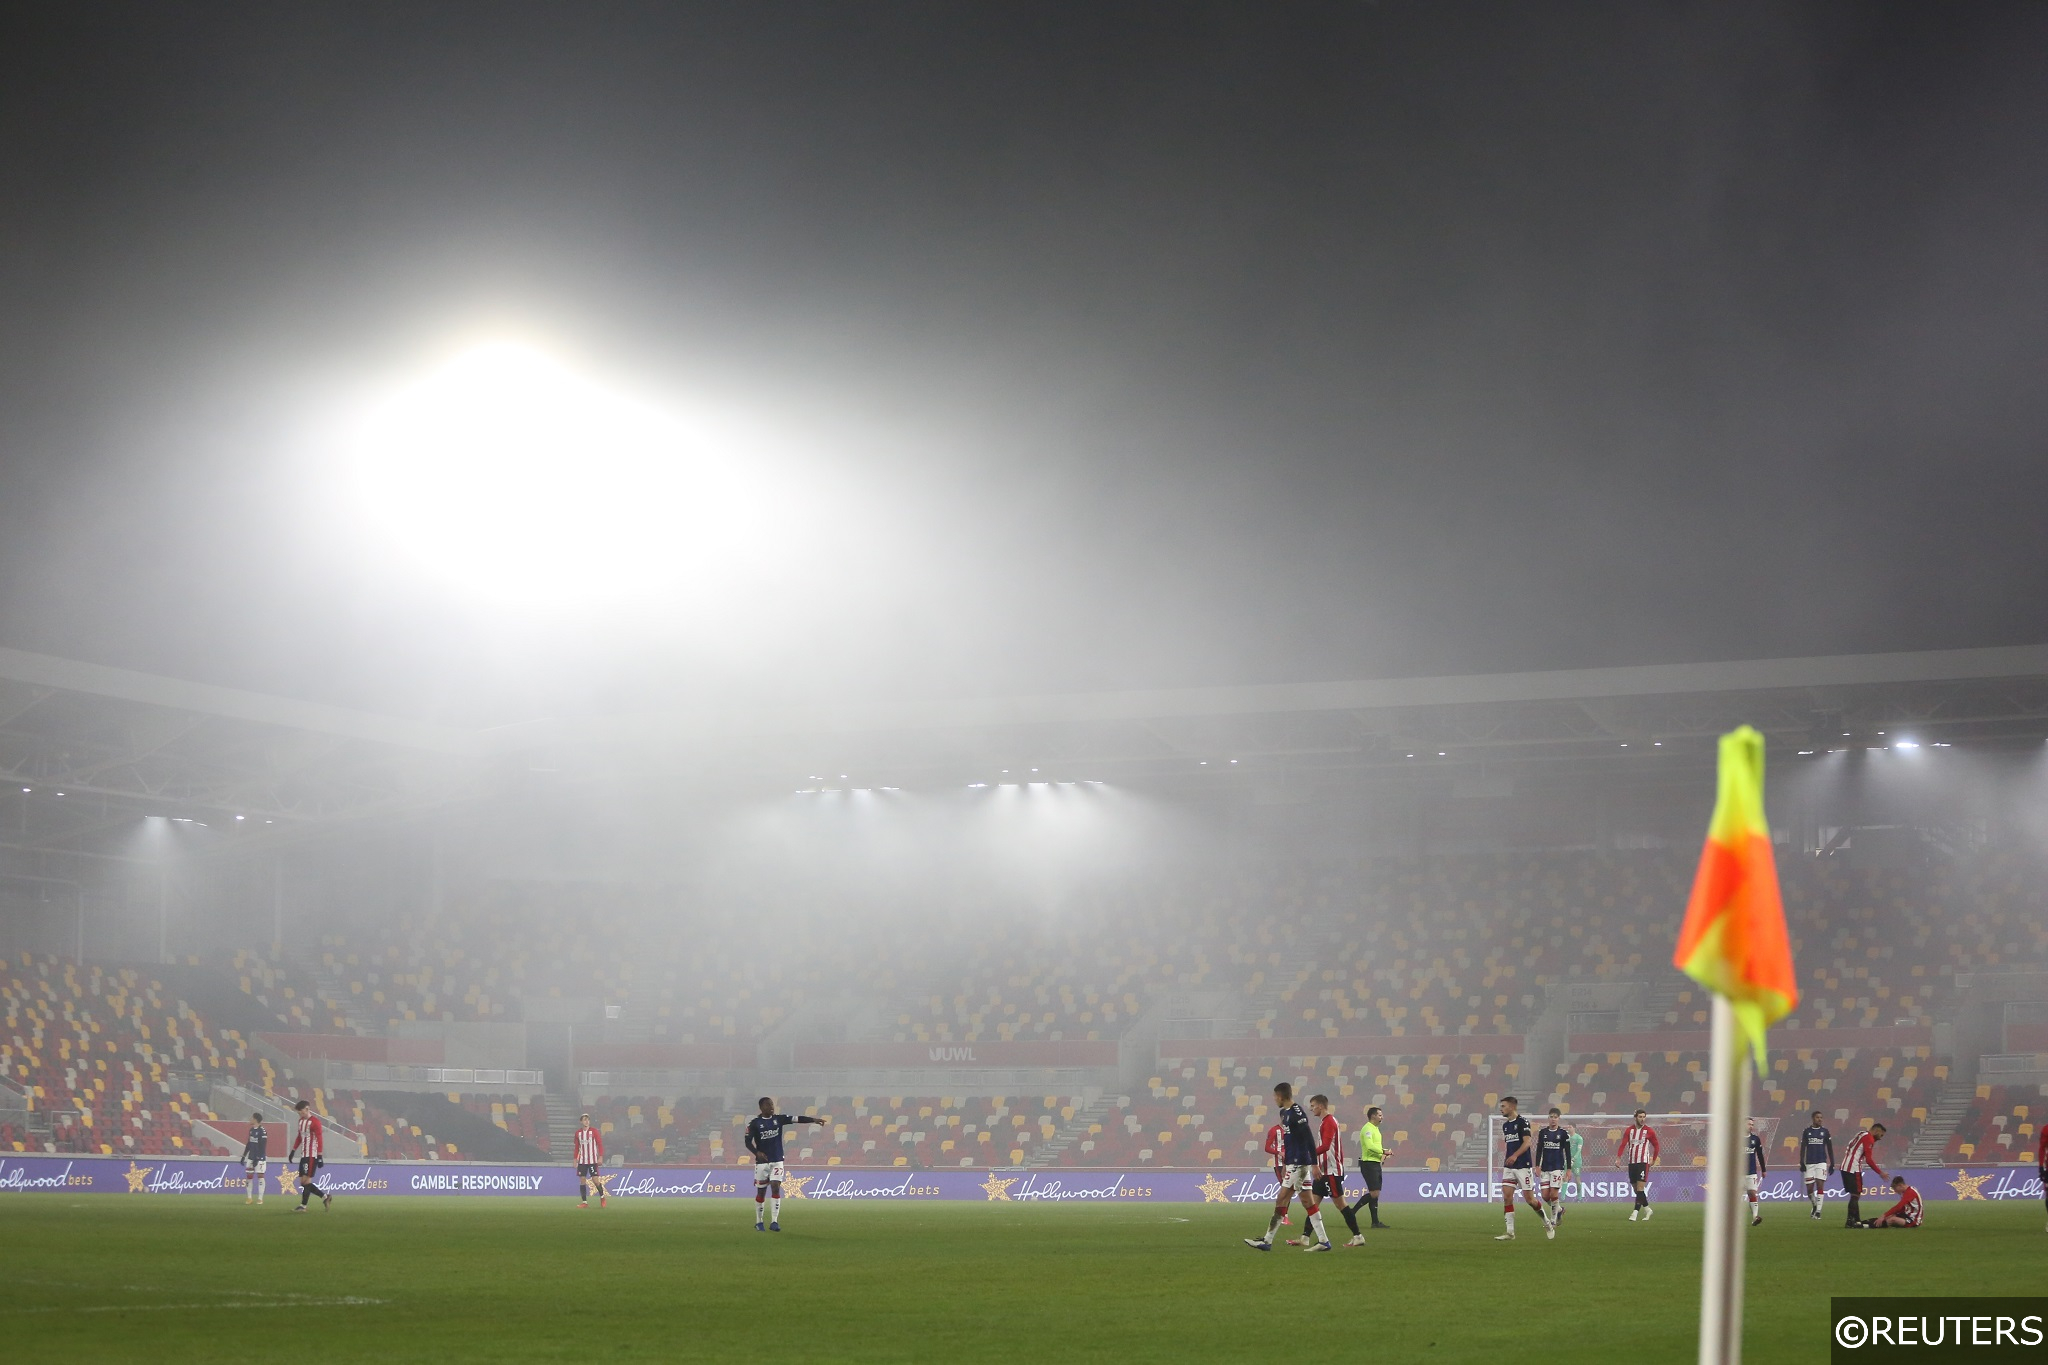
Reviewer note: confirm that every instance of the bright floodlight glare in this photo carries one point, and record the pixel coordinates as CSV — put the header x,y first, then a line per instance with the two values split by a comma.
x,y
516,477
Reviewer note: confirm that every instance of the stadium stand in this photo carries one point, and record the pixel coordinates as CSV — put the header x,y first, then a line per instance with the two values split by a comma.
x,y
2000,1125
1391,950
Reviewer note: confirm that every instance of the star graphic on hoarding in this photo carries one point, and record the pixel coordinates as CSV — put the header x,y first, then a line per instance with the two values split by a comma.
x,y
793,1186
997,1188
1965,1185
1213,1190
284,1182
138,1177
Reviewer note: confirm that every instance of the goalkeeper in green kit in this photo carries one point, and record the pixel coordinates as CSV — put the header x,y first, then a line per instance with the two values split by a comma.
x,y
1578,1154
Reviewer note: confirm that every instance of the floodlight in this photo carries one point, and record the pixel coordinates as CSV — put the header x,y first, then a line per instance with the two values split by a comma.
x,y
516,476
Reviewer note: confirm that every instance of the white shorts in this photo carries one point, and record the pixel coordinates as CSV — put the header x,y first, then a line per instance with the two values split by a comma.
x,y
1520,1177
1301,1178
1555,1180
1818,1171
1755,1183
257,1169
766,1171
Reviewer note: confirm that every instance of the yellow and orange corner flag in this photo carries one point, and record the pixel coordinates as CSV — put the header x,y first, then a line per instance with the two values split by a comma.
x,y
1733,941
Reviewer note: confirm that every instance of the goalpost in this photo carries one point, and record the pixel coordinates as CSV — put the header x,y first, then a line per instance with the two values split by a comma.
x,y
1681,1140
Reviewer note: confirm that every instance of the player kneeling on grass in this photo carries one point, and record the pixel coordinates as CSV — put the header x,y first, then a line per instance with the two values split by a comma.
x,y
1553,1168
255,1159
1518,1164
589,1164
1905,1213
764,1140
1298,1156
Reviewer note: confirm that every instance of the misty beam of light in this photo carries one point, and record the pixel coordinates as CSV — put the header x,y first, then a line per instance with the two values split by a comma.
x,y
511,475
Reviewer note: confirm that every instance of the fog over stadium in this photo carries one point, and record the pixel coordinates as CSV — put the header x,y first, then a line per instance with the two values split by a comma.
x,y
1011,574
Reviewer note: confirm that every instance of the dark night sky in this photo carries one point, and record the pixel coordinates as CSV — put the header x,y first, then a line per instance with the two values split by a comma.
x,y
1190,343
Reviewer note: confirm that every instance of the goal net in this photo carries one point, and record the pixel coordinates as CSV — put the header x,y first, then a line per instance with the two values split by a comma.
x,y
1681,1140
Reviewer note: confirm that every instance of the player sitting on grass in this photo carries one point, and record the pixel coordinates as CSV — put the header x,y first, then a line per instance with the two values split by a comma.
x,y
1553,1168
1639,1152
764,1140
2041,1160
255,1159
1518,1167
1816,1159
1758,1169
1298,1156
589,1164
1905,1213
1860,1157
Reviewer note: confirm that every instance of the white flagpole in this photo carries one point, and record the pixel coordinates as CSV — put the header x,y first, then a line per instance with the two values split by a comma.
x,y
1721,1277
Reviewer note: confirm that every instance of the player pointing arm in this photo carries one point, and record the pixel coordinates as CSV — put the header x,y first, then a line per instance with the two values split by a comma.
x,y
764,1140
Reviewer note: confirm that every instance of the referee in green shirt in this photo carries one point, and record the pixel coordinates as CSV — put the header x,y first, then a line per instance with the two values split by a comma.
x,y
1372,1150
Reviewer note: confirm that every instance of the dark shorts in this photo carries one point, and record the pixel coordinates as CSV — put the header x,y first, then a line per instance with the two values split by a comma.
x,y
309,1166
1638,1172
586,1172
1371,1171
1329,1187
1852,1181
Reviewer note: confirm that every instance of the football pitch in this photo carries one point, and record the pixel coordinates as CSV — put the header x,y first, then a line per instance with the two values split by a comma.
x,y
194,1278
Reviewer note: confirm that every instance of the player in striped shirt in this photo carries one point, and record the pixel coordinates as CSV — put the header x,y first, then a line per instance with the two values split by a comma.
x,y
589,1149
1858,1157
1273,1150
1639,1151
1905,1213
1330,1163
309,1146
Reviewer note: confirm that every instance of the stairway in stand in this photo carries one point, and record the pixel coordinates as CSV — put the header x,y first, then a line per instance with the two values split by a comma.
x,y
1942,1120
562,1116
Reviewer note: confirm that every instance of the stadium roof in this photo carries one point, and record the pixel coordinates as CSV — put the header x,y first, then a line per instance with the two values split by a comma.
x,y
118,743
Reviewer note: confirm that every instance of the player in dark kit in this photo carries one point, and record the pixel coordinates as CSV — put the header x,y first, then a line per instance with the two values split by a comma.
x,y
764,1140
1298,1157
255,1159
1518,1169
1758,1169
1553,1169
1816,1160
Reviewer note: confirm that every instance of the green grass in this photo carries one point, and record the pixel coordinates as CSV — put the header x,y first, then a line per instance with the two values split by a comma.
x,y
177,1278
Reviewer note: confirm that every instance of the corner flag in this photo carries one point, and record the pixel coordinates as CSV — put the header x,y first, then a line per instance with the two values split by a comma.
x,y
1733,940
1734,943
